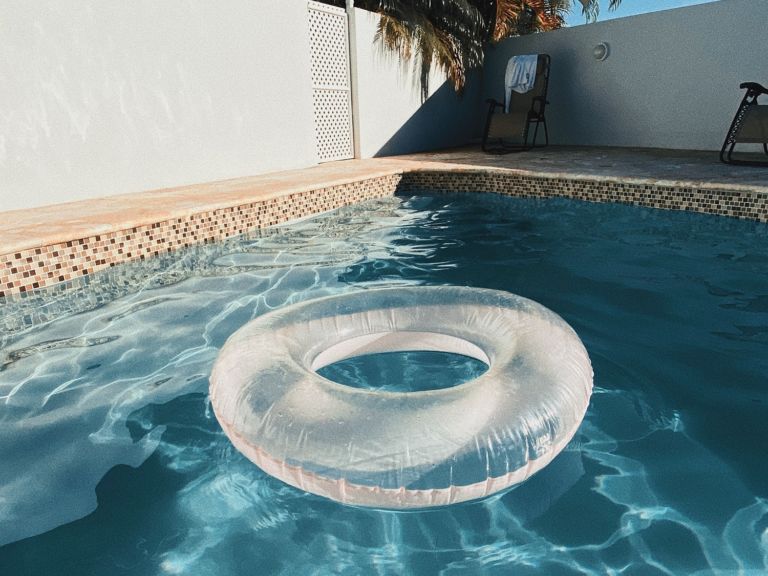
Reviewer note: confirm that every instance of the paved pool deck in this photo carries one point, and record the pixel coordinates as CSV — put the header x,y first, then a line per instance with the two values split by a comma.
x,y
678,167
21,229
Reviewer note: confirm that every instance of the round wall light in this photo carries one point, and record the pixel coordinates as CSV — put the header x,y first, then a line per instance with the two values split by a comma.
x,y
601,51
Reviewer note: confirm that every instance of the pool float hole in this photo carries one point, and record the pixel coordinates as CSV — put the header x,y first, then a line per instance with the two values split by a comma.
x,y
406,371
400,341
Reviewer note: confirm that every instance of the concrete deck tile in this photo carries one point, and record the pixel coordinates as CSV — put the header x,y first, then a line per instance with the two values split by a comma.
x,y
21,229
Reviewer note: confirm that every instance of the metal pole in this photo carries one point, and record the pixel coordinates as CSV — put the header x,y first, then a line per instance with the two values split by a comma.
x,y
352,47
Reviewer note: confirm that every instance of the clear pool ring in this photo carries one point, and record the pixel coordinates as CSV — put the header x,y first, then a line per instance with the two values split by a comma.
x,y
403,450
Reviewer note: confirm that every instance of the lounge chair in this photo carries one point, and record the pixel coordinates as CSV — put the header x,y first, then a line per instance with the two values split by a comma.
x,y
749,126
511,131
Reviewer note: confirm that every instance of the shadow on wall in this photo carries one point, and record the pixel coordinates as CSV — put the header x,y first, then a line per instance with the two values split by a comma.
x,y
444,120
577,107
588,106
668,82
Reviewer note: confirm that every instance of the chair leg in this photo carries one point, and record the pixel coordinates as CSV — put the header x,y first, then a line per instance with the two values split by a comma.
x,y
730,136
726,156
503,148
526,145
726,151
535,134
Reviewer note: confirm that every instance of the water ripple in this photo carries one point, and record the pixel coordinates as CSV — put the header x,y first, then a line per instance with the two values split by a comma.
x,y
104,393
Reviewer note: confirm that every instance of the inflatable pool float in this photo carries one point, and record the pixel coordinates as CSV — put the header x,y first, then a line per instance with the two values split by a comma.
x,y
403,449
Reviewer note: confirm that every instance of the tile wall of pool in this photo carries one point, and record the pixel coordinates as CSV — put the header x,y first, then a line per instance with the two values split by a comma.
x,y
28,264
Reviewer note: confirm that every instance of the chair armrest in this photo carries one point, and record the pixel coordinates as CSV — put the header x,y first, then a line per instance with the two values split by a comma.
x,y
754,87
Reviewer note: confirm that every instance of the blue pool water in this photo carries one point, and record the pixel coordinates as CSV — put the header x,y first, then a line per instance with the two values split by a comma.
x,y
111,461
411,371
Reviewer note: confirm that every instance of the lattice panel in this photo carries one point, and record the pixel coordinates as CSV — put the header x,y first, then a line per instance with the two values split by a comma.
x,y
328,41
333,124
329,56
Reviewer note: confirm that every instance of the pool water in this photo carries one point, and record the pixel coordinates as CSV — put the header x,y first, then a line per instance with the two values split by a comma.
x,y
409,371
111,461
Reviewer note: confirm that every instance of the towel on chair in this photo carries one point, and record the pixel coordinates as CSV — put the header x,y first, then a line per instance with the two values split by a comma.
x,y
520,76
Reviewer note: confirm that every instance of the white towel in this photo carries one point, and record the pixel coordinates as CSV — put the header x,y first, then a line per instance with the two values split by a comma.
x,y
520,76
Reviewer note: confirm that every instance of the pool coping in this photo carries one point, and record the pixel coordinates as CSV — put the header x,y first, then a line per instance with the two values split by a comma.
x,y
42,247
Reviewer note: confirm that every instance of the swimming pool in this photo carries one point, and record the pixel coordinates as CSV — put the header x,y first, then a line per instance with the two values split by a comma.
x,y
114,464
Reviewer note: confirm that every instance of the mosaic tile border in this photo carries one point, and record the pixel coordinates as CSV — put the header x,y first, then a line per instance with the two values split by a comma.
x,y
28,270
263,249
742,204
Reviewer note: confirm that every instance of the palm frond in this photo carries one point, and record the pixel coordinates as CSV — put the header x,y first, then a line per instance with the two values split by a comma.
x,y
447,34
591,8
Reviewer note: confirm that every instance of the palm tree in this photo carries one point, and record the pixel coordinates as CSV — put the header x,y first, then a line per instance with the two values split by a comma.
x,y
450,34
446,34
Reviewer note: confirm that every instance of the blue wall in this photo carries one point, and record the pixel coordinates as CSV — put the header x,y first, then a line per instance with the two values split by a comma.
x,y
671,80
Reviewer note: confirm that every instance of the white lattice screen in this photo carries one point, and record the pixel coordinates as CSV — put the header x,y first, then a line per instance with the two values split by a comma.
x,y
331,92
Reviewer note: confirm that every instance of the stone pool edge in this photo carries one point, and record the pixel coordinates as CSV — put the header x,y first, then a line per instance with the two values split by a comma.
x,y
43,247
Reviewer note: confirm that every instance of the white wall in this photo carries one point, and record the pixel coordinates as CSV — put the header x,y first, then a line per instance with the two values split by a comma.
x,y
100,98
392,118
671,80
